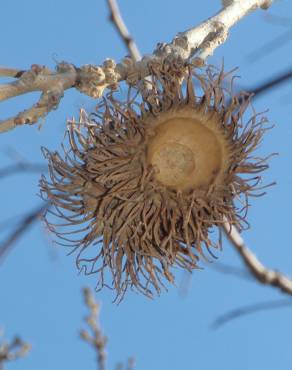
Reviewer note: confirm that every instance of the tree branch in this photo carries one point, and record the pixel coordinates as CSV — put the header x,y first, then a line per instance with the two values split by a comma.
x,y
13,351
26,222
38,78
94,337
117,20
231,270
257,269
248,310
199,41
271,83
22,167
10,72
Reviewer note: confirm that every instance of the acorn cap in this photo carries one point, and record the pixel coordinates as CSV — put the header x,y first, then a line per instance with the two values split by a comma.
x,y
145,180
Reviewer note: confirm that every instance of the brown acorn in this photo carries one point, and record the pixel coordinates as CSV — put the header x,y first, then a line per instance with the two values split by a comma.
x,y
145,181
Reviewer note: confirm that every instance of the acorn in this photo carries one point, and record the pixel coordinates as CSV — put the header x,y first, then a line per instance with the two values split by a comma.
x,y
144,181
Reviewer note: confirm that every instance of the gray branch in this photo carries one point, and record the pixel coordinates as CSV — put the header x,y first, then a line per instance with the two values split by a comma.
x,y
256,268
199,41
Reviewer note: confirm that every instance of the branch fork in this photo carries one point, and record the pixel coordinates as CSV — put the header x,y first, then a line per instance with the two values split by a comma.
x,y
199,41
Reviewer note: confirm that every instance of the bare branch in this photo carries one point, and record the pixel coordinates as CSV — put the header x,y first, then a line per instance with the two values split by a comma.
x,y
13,351
231,270
264,4
22,167
26,222
257,269
94,336
199,41
10,72
38,78
248,310
271,83
270,46
274,44
130,365
117,20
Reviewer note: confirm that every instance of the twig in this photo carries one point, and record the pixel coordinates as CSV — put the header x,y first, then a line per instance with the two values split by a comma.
x,y
271,46
130,365
22,167
26,222
38,78
250,309
10,72
13,351
199,41
117,20
230,270
94,337
271,83
274,44
264,87
257,269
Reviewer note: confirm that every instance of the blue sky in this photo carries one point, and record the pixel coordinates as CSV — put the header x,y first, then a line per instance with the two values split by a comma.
x,y
40,288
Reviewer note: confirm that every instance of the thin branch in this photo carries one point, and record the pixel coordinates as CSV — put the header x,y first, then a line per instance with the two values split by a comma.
x,y
94,336
265,86
10,72
117,20
230,270
271,83
257,269
278,20
199,42
25,224
248,310
130,365
271,46
13,351
22,167
38,78
274,44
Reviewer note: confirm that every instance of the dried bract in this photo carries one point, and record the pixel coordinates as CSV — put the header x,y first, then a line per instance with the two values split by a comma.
x,y
145,180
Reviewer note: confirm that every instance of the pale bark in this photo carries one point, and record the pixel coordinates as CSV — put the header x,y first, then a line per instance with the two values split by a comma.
x,y
257,269
200,42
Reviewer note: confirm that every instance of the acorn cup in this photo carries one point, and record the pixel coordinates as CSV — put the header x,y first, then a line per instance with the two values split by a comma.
x,y
145,181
